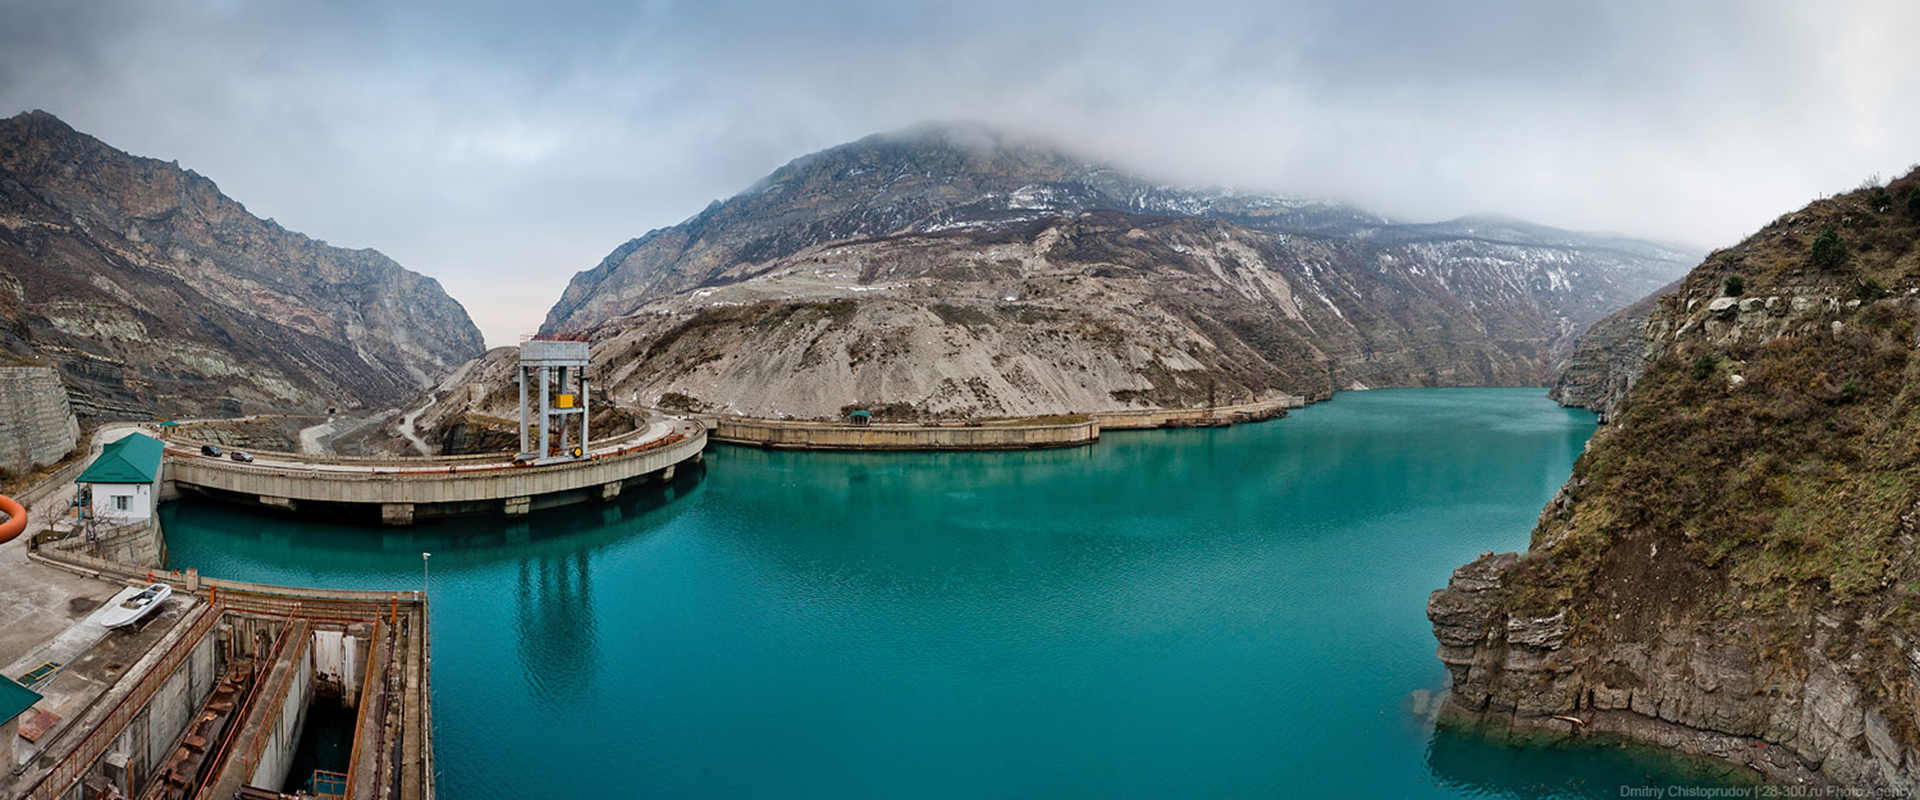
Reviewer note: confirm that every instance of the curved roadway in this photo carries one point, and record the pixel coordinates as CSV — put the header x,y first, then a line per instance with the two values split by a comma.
x,y
655,431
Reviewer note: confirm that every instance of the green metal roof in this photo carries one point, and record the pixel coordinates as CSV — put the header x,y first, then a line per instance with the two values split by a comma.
x,y
135,459
15,699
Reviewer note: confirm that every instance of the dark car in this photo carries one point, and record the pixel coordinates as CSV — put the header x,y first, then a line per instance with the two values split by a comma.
x,y
209,450
243,458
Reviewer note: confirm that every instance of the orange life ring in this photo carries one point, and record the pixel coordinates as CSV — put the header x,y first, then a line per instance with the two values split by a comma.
x,y
16,519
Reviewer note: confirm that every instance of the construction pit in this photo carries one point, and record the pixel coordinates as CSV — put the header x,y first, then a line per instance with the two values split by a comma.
x,y
230,690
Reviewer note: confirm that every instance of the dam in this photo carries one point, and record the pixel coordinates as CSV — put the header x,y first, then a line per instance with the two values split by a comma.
x,y
404,490
234,689
558,463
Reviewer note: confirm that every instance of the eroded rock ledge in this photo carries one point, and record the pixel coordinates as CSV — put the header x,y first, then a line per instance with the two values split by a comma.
x,y
1699,690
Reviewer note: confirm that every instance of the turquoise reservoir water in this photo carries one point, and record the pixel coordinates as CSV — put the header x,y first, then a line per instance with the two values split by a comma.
x,y
1213,613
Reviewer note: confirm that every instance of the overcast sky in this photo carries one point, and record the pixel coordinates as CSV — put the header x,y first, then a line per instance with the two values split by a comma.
x,y
503,147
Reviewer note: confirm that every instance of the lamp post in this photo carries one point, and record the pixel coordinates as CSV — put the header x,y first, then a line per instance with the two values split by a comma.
x,y
423,574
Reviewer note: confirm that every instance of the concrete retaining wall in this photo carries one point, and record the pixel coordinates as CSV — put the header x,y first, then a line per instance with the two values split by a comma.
x,y
136,545
37,425
336,659
284,734
1145,418
798,435
780,434
149,738
240,595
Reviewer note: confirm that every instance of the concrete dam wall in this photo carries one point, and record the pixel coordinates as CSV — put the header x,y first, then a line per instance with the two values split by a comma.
x,y
409,489
810,435
781,434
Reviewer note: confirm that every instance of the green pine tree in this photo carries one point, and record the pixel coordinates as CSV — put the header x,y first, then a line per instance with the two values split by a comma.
x,y
1829,250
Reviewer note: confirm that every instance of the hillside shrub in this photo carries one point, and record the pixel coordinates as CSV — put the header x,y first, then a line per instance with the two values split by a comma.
x,y
1829,250
1735,285
1703,367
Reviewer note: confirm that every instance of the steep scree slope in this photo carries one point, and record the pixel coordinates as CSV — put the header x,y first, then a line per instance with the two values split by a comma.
x,y
156,295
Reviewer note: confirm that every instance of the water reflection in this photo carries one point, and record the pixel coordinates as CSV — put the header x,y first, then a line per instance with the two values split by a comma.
x,y
1472,765
558,641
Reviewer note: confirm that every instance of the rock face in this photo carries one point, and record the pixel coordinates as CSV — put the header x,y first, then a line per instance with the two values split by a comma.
x,y
156,295
37,425
953,272
1731,568
1607,358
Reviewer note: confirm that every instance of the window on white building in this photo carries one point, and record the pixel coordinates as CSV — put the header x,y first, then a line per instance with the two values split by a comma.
x,y
120,502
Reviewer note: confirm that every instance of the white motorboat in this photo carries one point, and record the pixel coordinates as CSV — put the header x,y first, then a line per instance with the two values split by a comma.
x,y
137,607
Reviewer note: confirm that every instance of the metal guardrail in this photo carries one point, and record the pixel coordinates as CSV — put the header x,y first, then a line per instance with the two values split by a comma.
x,y
74,764
277,691
327,784
426,707
366,690
316,608
356,604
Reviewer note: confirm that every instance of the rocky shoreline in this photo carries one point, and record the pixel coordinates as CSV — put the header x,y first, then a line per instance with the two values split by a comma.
x,y
1512,679
1729,570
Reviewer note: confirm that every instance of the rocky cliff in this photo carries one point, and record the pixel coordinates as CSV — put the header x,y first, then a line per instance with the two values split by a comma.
x,y
1731,568
156,295
1607,358
951,271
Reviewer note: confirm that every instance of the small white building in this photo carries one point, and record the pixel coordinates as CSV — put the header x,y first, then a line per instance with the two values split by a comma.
x,y
124,481
15,702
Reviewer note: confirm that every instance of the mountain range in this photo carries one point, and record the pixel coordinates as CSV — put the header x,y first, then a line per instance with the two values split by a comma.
x,y
953,271
157,295
945,271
